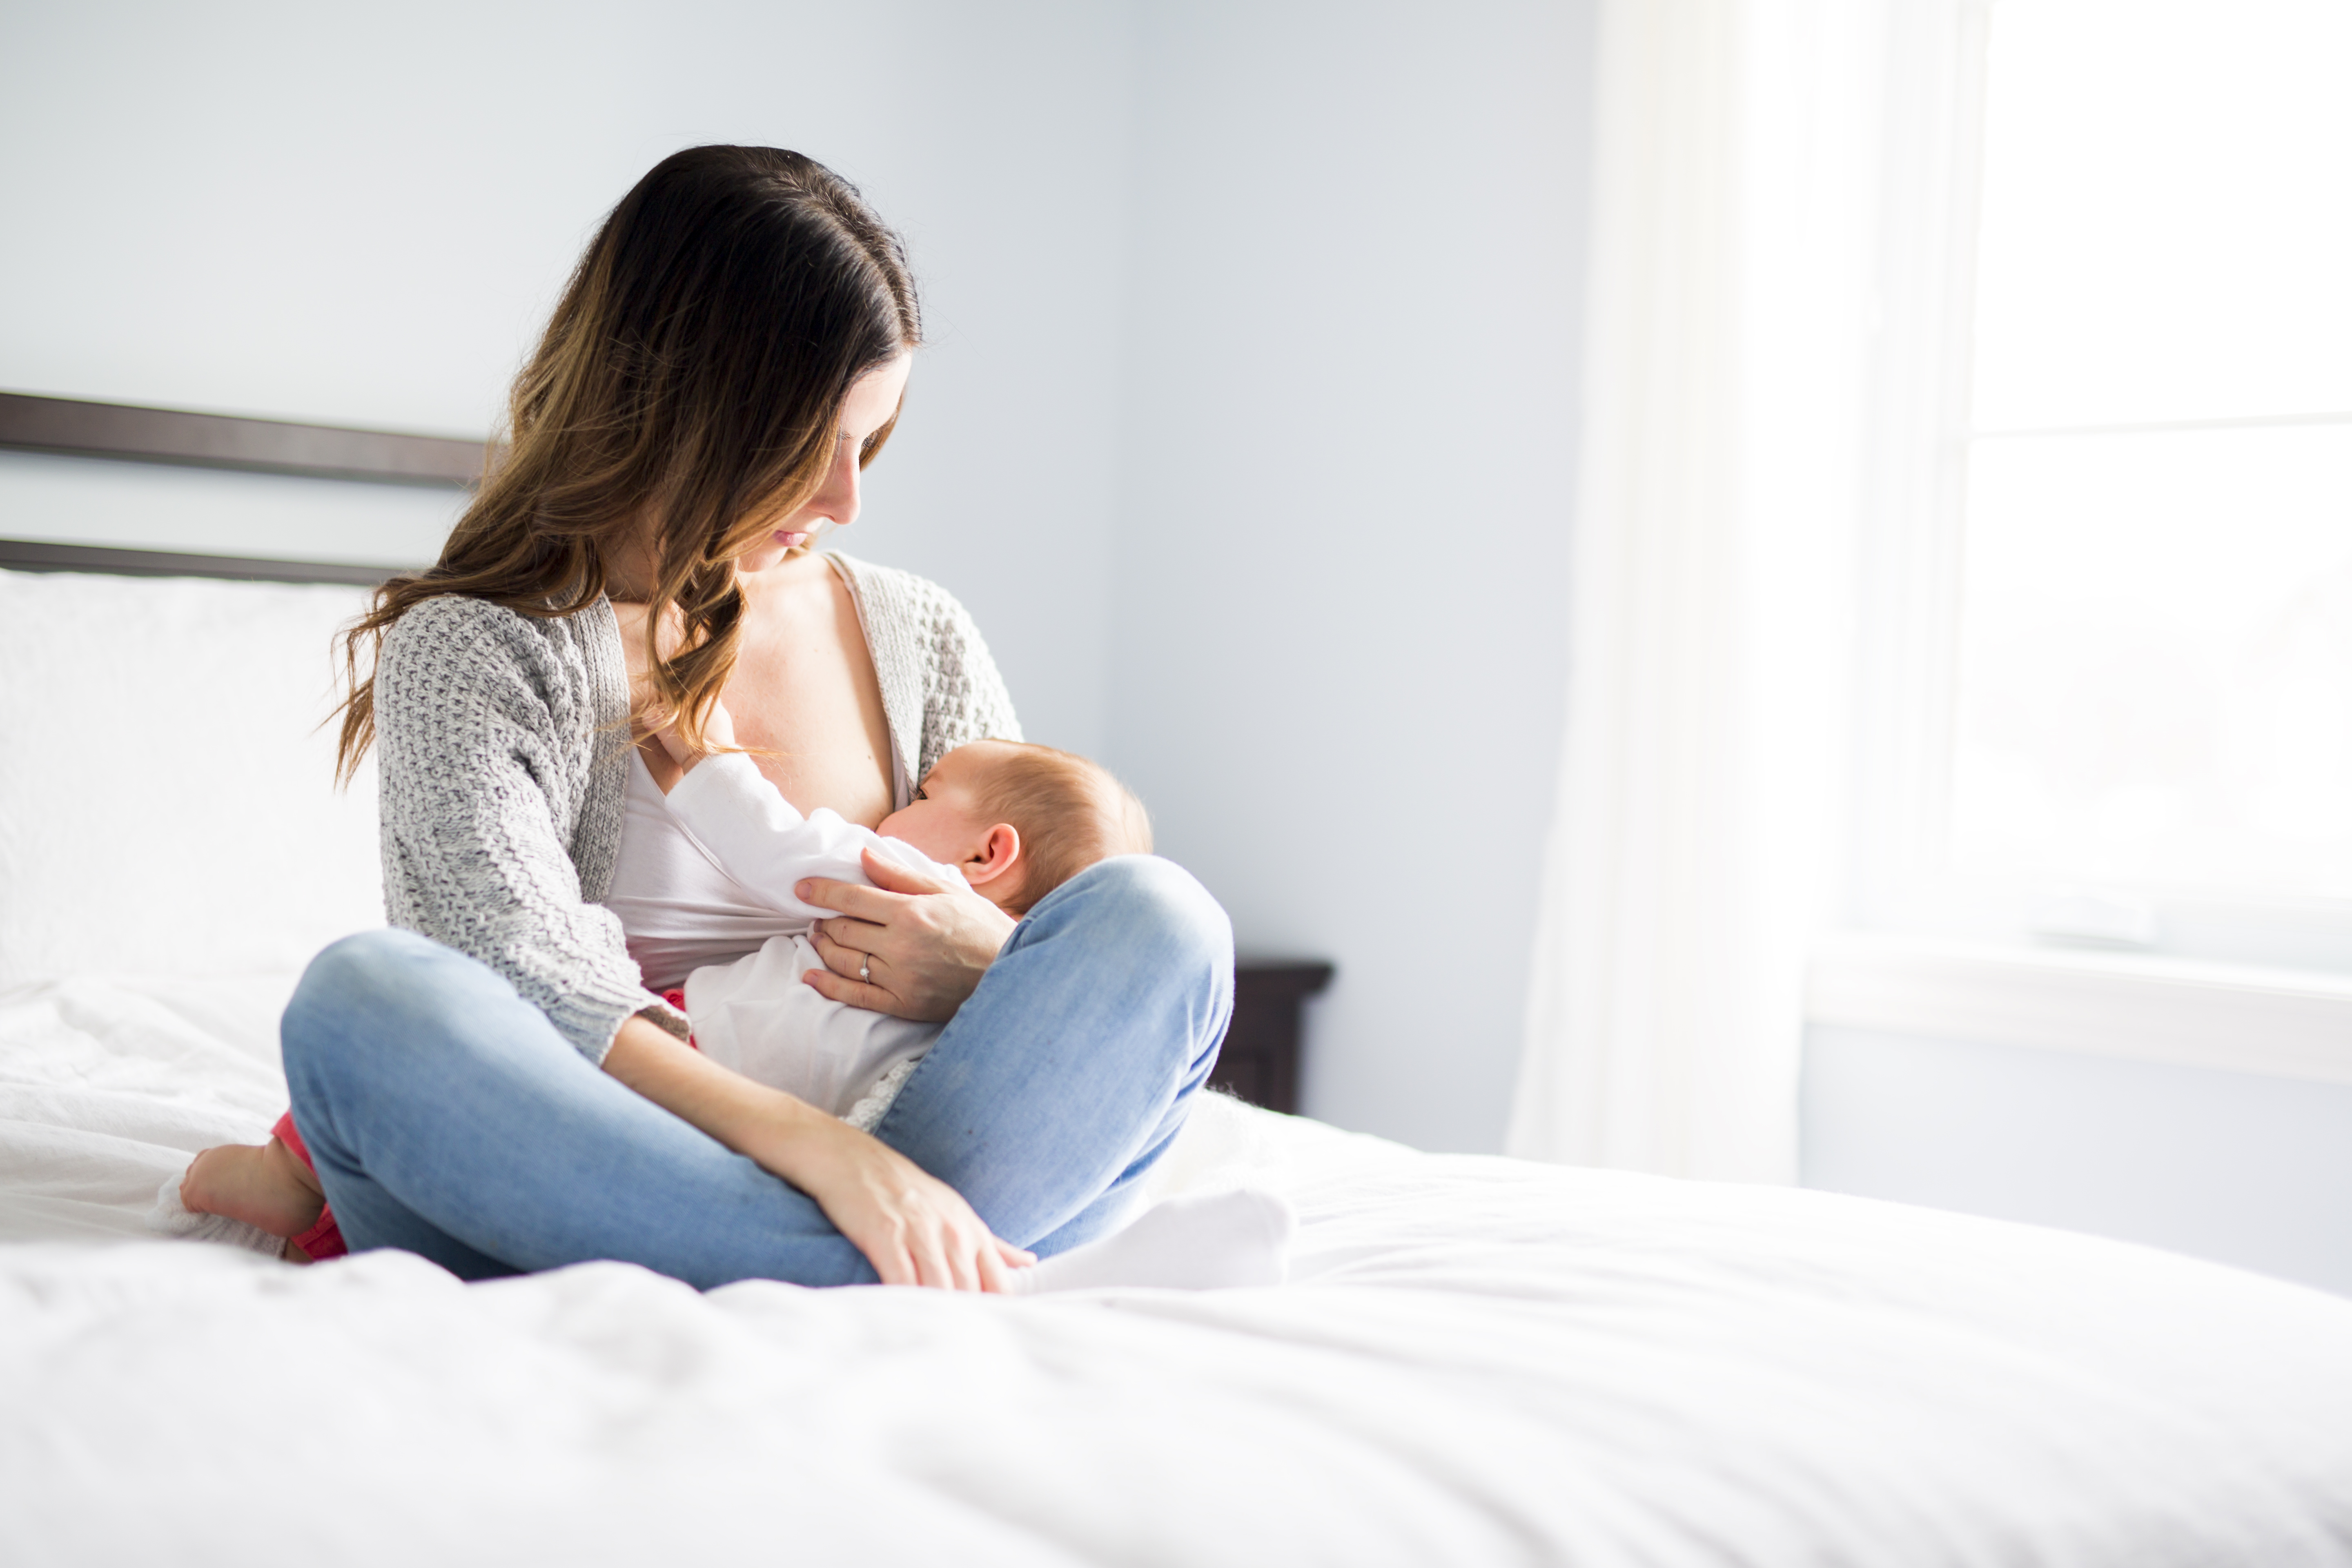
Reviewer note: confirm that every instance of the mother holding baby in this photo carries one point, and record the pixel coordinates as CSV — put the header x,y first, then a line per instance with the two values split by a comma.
x,y
491,1083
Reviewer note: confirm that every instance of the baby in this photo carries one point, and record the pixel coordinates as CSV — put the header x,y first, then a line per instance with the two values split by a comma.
x,y
1012,820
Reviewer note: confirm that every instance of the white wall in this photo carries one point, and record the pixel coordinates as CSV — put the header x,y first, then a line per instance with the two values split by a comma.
x,y
2242,1169
1343,538
361,215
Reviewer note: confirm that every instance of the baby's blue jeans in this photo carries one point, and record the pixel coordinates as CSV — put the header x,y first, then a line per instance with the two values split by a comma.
x,y
447,1117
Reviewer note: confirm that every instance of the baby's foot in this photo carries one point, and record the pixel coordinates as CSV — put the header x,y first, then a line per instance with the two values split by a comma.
x,y
266,1187
1216,1241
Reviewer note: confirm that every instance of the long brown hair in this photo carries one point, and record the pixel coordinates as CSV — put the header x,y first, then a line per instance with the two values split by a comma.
x,y
691,379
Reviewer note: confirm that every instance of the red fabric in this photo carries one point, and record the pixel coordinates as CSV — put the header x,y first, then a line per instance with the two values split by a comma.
x,y
678,1000
325,1239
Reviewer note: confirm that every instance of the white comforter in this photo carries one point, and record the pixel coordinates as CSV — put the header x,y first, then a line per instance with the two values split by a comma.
x,y
1480,1362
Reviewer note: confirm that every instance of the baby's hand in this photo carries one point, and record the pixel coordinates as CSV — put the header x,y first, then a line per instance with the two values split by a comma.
x,y
717,734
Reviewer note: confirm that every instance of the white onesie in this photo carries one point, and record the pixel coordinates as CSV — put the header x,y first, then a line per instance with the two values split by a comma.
x,y
755,1015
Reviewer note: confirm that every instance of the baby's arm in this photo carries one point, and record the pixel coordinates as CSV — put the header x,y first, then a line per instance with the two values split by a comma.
x,y
769,846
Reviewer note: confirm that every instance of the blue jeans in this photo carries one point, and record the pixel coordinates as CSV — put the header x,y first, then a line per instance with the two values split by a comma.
x,y
447,1117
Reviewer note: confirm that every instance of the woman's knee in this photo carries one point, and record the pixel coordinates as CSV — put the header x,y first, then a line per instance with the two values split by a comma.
x,y
1152,905
358,972
361,985
1157,945
361,966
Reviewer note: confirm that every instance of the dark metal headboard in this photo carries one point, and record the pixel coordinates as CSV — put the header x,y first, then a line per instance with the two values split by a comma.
x,y
34,555
78,428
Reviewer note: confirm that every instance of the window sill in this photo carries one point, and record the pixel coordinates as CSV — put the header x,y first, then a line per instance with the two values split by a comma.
x,y
2281,1022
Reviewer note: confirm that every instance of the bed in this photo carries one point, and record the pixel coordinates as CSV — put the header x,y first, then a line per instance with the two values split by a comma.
x,y
1477,1361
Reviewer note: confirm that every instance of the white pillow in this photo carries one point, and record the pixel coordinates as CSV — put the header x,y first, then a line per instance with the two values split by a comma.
x,y
167,804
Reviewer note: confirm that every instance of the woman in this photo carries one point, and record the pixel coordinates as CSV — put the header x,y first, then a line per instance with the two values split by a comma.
x,y
491,1084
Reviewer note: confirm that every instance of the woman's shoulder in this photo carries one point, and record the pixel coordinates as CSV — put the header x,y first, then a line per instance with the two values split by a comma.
x,y
902,600
455,643
451,621
461,627
911,621
926,646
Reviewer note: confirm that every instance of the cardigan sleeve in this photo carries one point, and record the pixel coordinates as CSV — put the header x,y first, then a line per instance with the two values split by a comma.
x,y
485,749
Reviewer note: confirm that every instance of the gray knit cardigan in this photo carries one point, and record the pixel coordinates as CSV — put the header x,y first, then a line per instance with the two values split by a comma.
x,y
502,768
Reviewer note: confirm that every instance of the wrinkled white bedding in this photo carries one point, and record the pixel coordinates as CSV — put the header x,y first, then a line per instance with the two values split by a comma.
x,y
1480,1362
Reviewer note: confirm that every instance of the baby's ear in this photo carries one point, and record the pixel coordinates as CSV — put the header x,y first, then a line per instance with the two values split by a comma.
x,y
999,852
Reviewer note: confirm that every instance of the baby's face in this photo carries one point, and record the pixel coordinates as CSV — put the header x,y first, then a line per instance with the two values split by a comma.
x,y
944,821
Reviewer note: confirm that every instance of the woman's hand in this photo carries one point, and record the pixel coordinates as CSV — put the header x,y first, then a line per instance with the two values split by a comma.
x,y
908,945
913,1227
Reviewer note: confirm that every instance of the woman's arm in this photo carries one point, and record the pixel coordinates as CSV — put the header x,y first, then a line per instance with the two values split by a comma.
x,y
487,728
914,1229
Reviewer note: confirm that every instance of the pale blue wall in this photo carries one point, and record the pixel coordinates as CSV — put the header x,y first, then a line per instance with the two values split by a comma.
x,y
1343,540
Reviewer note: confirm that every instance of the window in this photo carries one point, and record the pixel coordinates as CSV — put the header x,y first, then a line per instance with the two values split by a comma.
x,y
2117,700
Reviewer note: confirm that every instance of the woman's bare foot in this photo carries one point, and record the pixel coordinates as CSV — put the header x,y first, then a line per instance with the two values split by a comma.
x,y
266,1188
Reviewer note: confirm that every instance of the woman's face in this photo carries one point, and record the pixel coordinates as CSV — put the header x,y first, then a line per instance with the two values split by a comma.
x,y
872,399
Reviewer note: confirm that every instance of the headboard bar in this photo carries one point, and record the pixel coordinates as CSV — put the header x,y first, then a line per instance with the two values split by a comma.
x,y
221,441
34,555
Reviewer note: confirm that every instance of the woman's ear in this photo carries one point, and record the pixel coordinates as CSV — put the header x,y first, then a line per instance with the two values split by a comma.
x,y
998,853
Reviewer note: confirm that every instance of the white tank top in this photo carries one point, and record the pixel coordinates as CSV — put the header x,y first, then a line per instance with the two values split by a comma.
x,y
679,909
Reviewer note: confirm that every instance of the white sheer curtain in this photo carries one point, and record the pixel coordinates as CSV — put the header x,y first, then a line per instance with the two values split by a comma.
x,y
1726,345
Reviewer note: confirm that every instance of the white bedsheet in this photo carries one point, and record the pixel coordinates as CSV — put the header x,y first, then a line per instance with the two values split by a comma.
x,y
1480,1362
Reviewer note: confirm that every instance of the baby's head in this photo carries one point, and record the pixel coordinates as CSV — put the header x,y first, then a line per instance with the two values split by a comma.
x,y
1020,820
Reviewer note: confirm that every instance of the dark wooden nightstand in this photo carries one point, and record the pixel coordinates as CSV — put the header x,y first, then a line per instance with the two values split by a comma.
x,y
1259,1061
